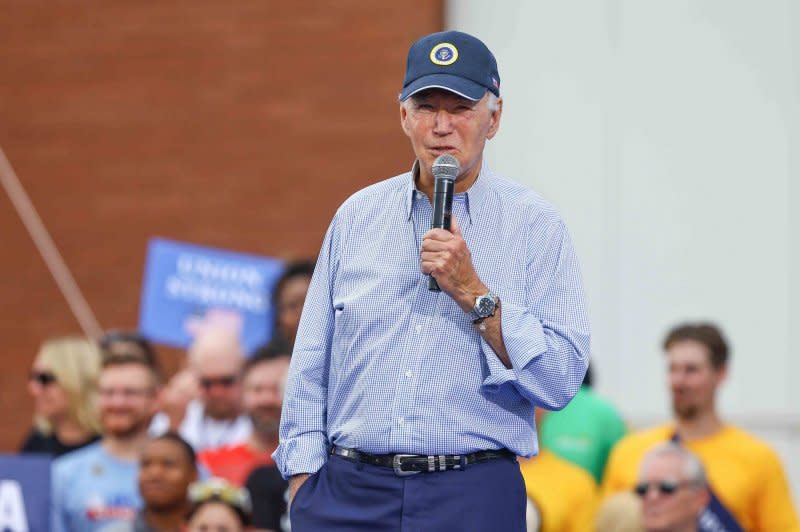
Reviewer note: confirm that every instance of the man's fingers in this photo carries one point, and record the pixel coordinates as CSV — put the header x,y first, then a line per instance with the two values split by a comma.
x,y
454,227
429,244
438,234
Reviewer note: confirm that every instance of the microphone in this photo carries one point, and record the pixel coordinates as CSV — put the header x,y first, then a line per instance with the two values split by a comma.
x,y
445,170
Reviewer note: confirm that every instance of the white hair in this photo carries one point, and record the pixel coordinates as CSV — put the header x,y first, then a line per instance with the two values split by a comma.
x,y
492,102
692,466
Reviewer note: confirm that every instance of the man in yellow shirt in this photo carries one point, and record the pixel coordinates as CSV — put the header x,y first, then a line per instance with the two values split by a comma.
x,y
745,475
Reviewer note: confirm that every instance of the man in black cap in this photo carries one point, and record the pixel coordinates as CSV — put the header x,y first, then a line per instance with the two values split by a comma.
x,y
405,407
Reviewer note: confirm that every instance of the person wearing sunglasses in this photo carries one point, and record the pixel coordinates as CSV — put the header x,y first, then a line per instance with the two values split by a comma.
x,y
263,380
747,484
214,419
63,384
673,488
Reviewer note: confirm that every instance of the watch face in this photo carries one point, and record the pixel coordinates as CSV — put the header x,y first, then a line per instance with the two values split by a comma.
x,y
485,306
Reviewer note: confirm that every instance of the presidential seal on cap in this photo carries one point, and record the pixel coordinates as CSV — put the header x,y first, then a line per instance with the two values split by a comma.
x,y
453,61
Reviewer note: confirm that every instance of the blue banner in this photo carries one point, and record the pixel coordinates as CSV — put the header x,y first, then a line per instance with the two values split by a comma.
x,y
188,287
25,493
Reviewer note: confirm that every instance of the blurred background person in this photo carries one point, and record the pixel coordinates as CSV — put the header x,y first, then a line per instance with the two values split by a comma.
x,y
96,485
585,431
672,485
263,379
127,344
218,506
63,384
269,491
564,494
215,418
167,468
621,512
288,297
746,479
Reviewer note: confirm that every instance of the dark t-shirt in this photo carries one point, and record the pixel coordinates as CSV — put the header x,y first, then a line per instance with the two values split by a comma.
x,y
268,493
40,443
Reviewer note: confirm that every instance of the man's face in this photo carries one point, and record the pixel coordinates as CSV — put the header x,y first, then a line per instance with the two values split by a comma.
x,y
290,305
220,387
165,473
263,394
675,507
127,398
438,121
693,380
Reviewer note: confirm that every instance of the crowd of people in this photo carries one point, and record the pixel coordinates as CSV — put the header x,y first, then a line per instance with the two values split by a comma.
x,y
391,423
134,453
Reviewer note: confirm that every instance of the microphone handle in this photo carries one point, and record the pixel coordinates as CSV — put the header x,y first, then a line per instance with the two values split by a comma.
x,y
442,212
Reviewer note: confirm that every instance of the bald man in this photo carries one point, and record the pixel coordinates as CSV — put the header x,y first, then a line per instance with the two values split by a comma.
x,y
215,418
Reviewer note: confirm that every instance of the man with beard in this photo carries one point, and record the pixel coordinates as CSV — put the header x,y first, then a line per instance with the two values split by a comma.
x,y
747,485
167,468
263,377
96,485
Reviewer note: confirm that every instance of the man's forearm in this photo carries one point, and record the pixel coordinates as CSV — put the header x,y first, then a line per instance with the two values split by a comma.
x,y
491,330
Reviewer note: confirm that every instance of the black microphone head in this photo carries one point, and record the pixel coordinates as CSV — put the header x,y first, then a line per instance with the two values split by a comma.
x,y
446,167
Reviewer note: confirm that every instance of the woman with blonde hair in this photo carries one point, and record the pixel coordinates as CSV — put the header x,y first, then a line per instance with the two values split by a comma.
x,y
63,383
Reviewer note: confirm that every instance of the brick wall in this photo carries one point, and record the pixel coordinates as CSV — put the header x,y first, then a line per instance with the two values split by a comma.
x,y
240,125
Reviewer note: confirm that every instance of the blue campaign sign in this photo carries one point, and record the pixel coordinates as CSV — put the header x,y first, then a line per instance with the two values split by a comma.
x,y
187,287
24,493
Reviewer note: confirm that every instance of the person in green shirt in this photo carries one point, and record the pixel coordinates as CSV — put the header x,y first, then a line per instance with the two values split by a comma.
x,y
585,430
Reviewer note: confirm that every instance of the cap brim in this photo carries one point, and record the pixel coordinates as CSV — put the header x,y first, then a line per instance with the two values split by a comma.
x,y
455,84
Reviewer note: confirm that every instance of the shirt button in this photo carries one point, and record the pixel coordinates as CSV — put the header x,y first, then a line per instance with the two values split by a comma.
x,y
409,374
401,421
418,328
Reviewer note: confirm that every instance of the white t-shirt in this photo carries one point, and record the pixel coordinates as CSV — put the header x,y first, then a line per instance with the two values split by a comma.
x,y
203,432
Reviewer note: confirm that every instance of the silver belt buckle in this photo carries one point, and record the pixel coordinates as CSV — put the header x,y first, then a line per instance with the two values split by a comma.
x,y
396,466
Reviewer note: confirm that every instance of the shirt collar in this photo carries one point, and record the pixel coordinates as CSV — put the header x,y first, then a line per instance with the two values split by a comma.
x,y
475,196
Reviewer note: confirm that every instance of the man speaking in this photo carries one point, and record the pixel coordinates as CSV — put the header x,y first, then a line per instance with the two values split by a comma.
x,y
405,405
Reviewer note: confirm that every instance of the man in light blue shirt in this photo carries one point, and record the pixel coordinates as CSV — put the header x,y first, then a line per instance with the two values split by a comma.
x,y
97,485
389,379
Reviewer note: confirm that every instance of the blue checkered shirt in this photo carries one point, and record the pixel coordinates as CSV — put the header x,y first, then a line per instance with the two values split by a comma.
x,y
383,365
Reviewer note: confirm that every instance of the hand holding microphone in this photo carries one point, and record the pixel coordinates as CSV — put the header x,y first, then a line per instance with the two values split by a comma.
x,y
445,170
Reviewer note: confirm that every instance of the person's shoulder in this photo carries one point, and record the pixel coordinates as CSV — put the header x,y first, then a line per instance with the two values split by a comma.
x,y
76,460
639,442
264,477
222,452
512,192
576,476
377,193
749,445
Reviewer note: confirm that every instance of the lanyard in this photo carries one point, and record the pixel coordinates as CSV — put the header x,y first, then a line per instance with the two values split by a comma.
x,y
715,517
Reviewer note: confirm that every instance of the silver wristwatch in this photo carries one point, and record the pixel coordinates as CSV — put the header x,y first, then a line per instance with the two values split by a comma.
x,y
485,306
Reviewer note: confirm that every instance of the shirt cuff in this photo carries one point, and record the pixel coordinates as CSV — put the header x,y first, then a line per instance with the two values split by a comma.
x,y
524,340
306,453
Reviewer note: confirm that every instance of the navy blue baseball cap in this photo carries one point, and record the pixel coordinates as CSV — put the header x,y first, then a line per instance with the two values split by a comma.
x,y
453,61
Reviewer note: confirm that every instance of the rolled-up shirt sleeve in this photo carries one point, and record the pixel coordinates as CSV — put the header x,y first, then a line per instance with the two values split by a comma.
x,y
303,429
547,338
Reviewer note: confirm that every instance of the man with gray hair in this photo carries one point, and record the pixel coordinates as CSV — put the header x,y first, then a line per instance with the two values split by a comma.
x,y
673,487
408,401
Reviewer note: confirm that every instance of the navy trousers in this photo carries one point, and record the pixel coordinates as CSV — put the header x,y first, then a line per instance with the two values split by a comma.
x,y
351,496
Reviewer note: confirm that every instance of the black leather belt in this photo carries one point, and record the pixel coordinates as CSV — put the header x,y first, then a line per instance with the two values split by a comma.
x,y
411,464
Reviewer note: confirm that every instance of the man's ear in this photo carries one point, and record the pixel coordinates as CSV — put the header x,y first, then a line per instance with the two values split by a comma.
x,y
404,117
494,125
